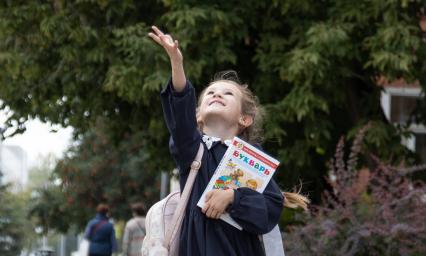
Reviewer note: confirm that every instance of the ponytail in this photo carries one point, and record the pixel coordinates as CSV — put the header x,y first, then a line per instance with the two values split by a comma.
x,y
295,200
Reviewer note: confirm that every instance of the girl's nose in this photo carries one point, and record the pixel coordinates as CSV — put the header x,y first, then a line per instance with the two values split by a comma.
x,y
217,94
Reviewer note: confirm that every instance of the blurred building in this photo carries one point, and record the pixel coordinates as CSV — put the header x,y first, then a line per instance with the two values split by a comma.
x,y
14,166
398,101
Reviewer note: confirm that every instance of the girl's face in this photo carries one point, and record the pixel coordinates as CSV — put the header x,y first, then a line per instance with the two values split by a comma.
x,y
221,101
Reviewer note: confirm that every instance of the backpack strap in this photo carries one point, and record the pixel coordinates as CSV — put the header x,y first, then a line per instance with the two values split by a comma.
x,y
140,227
96,227
180,209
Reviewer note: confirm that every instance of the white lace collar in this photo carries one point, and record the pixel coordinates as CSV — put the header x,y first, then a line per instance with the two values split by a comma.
x,y
209,140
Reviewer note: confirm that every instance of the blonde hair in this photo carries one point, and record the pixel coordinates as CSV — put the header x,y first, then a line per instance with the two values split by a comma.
x,y
249,106
253,134
295,200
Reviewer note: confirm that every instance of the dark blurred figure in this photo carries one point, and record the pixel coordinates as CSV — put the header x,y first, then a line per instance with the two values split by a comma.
x,y
101,234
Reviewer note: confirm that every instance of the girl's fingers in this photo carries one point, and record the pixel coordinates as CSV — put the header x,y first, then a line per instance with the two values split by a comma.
x,y
210,212
160,37
215,214
157,31
205,208
155,38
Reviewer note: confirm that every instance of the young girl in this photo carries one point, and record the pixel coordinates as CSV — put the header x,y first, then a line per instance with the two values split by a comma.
x,y
225,109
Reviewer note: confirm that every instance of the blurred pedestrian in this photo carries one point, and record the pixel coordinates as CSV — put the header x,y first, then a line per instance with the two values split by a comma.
x,y
100,233
134,233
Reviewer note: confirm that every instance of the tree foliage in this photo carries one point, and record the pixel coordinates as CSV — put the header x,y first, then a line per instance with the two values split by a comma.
x,y
12,222
97,171
18,229
313,64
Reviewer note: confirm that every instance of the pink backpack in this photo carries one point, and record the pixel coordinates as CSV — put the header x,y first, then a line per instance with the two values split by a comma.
x,y
164,219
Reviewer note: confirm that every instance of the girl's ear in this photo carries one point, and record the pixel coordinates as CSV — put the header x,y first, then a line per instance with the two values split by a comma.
x,y
245,121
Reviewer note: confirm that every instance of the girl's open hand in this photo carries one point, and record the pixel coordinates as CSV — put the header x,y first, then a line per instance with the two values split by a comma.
x,y
216,202
171,46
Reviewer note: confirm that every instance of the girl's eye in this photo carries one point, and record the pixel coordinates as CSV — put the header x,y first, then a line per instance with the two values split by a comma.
x,y
209,92
229,93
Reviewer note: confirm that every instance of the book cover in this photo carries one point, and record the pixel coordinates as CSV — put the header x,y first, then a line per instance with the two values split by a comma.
x,y
242,165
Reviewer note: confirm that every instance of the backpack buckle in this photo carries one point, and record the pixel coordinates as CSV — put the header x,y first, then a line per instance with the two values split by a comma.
x,y
195,164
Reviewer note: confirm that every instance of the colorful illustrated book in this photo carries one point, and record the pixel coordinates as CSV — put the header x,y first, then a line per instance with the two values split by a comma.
x,y
241,166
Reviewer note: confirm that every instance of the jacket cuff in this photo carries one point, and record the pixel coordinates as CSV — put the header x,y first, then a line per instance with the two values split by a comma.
x,y
232,207
170,89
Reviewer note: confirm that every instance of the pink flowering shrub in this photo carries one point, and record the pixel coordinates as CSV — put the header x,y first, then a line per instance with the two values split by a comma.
x,y
375,210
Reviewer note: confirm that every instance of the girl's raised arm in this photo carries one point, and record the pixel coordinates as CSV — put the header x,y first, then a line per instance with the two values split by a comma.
x,y
176,59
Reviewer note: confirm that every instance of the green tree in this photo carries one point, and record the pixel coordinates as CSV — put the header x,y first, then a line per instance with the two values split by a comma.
x,y
17,226
12,222
314,64
45,197
40,174
97,171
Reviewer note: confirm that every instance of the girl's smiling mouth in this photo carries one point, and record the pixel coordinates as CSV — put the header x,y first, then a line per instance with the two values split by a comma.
x,y
216,101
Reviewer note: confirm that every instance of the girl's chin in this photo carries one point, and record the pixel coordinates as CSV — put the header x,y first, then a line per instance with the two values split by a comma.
x,y
215,108
218,116
217,113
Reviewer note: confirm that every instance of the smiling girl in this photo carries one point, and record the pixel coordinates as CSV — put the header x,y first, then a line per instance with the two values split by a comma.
x,y
225,109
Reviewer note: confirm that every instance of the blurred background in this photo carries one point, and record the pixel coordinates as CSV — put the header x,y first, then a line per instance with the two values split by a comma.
x,y
342,83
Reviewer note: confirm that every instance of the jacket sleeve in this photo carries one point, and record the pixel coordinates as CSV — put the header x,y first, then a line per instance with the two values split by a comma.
x,y
113,241
256,212
88,230
179,109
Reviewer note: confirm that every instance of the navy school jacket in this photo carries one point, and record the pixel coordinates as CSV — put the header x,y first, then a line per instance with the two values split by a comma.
x,y
256,213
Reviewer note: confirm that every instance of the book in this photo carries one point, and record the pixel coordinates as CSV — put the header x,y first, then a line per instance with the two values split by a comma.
x,y
242,165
